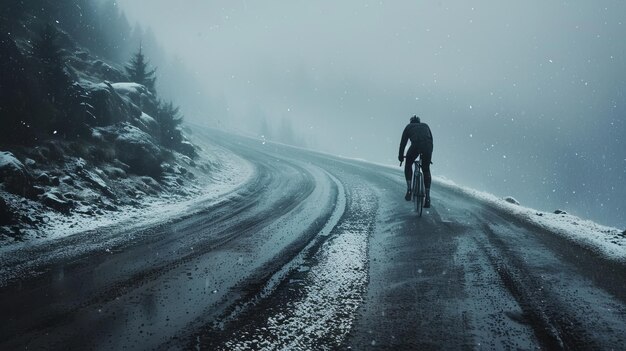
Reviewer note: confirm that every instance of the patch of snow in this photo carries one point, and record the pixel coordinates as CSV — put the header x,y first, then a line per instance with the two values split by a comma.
x,y
128,88
606,241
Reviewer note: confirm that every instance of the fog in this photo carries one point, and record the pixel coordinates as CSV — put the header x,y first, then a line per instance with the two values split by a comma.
x,y
524,98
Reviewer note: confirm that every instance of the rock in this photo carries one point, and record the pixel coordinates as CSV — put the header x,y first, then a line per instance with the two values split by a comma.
x,y
83,55
70,196
14,176
119,164
6,215
67,180
560,212
38,190
186,159
511,200
56,181
30,162
79,164
44,178
114,172
85,210
148,125
138,150
53,201
106,71
137,95
107,205
166,167
93,179
188,149
151,182
108,106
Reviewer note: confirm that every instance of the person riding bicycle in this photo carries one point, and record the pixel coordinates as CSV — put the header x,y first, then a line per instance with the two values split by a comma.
x,y
421,144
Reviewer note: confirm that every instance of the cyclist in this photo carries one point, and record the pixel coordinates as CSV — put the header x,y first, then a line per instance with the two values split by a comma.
x,y
421,144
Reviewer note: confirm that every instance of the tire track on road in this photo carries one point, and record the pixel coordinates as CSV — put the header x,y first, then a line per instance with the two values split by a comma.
x,y
314,305
545,314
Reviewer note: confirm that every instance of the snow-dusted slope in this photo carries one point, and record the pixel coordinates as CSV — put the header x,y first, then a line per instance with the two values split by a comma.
x,y
607,241
228,171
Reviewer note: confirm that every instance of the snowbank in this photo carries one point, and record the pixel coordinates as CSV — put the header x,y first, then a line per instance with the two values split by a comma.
x,y
609,242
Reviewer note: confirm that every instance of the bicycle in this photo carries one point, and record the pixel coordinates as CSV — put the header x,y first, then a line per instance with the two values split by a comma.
x,y
417,186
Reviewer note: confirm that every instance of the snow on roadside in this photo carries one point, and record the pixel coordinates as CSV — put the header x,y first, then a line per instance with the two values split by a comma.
x,y
327,294
607,241
152,210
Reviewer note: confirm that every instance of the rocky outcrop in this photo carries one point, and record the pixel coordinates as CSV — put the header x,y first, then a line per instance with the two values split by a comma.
x,y
137,95
14,176
106,71
138,150
108,106
187,148
57,202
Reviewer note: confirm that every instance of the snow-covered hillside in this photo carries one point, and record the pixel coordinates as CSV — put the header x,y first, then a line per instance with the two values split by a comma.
x,y
84,140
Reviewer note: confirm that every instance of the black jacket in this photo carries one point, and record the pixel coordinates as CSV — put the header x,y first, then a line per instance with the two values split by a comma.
x,y
420,136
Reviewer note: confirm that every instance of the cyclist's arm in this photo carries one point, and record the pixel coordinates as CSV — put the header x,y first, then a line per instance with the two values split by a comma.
x,y
403,141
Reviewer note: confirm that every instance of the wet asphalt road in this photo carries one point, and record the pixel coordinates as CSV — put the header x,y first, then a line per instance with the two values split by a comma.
x,y
316,252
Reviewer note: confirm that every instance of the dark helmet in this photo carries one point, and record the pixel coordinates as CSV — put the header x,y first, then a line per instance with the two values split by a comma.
x,y
415,119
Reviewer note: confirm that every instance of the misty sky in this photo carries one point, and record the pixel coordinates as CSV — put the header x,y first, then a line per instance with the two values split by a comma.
x,y
524,98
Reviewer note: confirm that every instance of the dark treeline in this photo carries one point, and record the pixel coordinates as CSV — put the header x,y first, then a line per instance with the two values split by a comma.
x,y
46,48
99,26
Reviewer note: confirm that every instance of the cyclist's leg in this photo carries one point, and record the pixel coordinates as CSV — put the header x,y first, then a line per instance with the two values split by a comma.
x,y
411,155
426,158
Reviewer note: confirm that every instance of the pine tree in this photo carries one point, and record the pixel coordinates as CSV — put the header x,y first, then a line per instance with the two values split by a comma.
x,y
138,71
169,119
62,96
53,79
47,49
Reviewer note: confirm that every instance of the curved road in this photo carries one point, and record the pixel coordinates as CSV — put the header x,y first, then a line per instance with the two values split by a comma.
x,y
316,252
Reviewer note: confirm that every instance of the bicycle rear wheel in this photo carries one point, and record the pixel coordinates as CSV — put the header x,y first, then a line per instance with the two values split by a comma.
x,y
419,193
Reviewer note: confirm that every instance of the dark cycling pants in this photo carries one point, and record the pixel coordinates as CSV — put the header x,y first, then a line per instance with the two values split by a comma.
x,y
411,155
